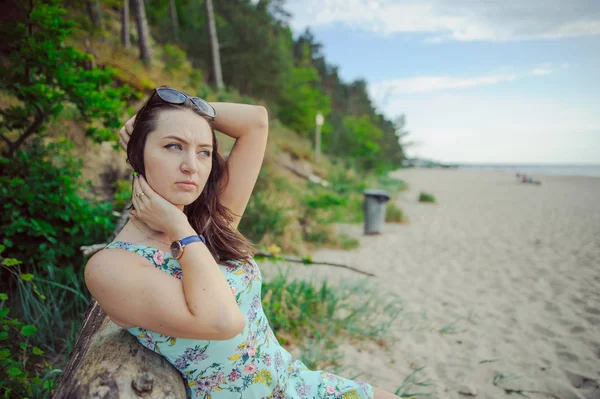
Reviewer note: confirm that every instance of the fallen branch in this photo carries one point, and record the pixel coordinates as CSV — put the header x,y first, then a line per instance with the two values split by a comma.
x,y
309,261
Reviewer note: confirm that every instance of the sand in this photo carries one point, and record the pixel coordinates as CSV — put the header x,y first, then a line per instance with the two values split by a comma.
x,y
497,278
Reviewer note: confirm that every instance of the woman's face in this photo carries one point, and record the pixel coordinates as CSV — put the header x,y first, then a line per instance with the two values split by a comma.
x,y
178,151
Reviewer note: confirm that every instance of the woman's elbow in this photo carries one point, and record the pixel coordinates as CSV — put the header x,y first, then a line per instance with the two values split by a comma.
x,y
262,116
234,326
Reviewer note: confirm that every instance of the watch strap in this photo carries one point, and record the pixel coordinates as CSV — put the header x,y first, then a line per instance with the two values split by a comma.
x,y
188,240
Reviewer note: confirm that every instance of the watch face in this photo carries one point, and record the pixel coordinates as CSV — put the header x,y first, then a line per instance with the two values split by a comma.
x,y
176,249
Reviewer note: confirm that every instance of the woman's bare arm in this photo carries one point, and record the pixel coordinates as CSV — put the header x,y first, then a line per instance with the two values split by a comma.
x,y
199,306
249,125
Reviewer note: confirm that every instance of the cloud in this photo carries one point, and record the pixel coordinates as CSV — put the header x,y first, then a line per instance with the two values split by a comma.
x,y
422,84
459,20
382,91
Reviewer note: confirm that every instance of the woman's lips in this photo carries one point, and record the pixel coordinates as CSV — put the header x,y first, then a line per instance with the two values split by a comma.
x,y
186,186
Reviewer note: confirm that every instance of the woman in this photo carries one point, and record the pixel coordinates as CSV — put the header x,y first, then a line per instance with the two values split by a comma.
x,y
204,315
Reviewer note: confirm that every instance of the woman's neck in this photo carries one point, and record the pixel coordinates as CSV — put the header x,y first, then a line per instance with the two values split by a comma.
x,y
147,232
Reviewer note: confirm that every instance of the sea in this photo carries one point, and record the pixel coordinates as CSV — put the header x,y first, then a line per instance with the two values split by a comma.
x,y
538,170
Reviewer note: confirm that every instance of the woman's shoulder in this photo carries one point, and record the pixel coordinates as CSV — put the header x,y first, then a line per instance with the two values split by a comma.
x,y
118,251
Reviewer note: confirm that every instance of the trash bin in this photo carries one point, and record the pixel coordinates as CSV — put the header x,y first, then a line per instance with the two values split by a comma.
x,y
375,202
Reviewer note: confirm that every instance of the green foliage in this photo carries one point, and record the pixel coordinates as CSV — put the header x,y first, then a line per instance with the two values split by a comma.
x,y
18,356
175,59
44,219
425,197
361,140
44,75
301,100
264,212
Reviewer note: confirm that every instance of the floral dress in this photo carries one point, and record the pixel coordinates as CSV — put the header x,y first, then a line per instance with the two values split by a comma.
x,y
252,364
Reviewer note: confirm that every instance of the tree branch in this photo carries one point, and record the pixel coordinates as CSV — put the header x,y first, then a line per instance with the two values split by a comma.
x,y
33,128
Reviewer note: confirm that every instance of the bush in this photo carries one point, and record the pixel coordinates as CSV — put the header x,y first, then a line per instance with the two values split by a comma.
x,y
43,211
393,214
425,197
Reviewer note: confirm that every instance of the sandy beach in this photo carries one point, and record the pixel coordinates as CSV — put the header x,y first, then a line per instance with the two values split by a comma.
x,y
498,278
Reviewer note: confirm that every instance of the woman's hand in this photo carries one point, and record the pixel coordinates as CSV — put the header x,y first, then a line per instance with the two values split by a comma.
x,y
125,132
154,210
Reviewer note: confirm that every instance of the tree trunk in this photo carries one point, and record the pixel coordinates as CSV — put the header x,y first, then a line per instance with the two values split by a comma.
x,y
143,32
125,24
174,20
109,362
95,13
214,44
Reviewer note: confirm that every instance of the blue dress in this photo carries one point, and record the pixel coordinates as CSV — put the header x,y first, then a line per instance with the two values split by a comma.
x,y
252,364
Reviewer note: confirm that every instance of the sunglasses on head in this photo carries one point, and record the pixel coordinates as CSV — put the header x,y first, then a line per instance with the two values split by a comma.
x,y
174,96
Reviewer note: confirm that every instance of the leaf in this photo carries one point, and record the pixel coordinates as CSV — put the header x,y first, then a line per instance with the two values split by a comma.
x,y
2,248
8,262
3,335
4,353
4,312
14,372
37,351
235,357
23,345
3,296
27,277
28,330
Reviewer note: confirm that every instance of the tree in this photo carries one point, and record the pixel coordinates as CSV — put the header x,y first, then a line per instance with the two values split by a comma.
x,y
214,45
143,32
174,20
43,75
125,24
95,13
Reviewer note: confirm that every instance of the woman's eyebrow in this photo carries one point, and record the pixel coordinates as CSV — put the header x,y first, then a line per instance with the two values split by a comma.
x,y
185,142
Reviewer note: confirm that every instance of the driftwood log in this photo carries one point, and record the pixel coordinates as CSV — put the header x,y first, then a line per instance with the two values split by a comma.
x,y
108,362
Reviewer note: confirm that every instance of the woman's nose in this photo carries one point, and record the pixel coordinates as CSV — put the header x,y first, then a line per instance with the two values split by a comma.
x,y
189,164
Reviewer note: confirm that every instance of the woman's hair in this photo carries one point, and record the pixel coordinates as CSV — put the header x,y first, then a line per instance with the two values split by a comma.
x,y
206,214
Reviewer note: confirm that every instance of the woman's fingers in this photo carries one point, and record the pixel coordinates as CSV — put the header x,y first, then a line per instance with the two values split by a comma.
x,y
129,125
145,187
123,138
135,200
125,132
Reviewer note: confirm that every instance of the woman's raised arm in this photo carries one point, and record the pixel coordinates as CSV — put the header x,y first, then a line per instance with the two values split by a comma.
x,y
249,125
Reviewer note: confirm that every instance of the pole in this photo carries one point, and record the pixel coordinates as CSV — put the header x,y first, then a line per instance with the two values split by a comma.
x,y
319,122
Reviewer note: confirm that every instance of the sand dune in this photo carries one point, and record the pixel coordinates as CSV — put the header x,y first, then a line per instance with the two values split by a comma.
x,y
499,279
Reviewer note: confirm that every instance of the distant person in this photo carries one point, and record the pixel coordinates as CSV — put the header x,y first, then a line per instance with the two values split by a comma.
x,y
527,179
180,277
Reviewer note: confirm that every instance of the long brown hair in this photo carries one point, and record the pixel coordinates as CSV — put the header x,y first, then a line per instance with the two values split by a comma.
x,y
206,214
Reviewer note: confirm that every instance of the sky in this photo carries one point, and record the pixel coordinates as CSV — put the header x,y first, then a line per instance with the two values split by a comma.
x,y
496,81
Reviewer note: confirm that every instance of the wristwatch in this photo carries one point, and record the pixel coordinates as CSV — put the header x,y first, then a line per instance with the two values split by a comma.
x,y
177,246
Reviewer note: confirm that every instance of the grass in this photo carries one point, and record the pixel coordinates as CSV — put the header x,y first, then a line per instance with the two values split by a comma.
x,y
393,214
303,314
412,380
425,197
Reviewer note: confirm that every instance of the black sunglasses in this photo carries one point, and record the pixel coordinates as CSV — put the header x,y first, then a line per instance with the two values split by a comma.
x,y
174,96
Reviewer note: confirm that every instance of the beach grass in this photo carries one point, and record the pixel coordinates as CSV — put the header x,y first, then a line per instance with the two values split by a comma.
x,y
414,381
317,317
426,197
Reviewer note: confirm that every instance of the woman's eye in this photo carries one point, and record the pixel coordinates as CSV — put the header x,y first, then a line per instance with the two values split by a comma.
x,y
207,152
174,144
